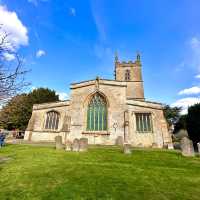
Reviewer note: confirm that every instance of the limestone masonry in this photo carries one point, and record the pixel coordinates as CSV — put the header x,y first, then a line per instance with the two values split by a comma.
x,y
102,111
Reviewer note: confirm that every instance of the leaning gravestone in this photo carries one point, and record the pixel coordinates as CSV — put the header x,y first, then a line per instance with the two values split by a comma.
x,y
75,145
68,146
127,149
119,141
83,144
198,147
58,141
187,148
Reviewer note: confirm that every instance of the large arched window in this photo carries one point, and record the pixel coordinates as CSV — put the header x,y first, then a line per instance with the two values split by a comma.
x,y
127,75
97,114
52,120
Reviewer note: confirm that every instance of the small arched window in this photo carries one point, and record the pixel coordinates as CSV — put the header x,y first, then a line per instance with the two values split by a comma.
x,y
127,75
52,120
97,114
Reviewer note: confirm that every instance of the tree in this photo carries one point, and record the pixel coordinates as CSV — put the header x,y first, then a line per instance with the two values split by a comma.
x,y
171,114
17,112
11,73
193,123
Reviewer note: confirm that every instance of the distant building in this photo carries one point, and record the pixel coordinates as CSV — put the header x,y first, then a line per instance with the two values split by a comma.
x,y
102,110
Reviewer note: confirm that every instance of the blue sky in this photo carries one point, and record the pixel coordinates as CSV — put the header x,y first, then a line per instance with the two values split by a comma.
x,y
65,41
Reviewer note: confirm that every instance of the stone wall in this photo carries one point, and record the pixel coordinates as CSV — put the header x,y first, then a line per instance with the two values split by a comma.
x,y
115,94
36,128
73,117
159,136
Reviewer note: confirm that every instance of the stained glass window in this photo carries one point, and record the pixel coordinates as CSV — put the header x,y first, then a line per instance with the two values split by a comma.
x,y
143,122
52,120
97,114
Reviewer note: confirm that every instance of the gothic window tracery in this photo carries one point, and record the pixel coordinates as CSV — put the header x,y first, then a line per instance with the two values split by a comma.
x,y
97,114
52,120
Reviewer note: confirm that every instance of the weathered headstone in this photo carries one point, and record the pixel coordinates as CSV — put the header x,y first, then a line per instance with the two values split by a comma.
x,y
170,146
198,147
83,144
187,147
140,145
119,141
154,145
58,141
127,148
68,146
75,145
181,134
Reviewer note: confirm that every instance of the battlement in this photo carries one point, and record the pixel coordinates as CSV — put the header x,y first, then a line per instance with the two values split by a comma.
x,y
130,72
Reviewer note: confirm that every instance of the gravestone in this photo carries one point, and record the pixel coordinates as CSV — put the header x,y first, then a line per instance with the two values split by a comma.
x,y
198,147
181,134
187,148
68,146
83,144
75,145
154,145
140,145
170,146
127,148
58,141
119,141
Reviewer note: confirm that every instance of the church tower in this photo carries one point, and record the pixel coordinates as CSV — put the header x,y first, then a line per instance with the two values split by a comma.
x,y
131,73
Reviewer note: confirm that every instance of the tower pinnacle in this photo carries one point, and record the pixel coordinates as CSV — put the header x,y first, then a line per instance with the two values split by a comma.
x,y
138,56
116,57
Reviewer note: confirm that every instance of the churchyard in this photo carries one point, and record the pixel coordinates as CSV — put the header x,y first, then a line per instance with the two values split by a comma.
x,y
102,172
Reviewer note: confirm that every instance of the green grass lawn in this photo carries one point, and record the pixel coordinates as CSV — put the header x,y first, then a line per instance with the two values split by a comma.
x,y
102,173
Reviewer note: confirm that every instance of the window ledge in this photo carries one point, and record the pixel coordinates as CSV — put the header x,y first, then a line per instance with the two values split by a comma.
x,y
144,132
95,133
51,130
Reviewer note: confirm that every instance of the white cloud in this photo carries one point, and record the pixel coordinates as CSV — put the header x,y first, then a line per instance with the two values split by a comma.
x,y
188,91
99,19
35,2
12,25
9,56
40,53
62,95
195,42
185,103
197,76
72,11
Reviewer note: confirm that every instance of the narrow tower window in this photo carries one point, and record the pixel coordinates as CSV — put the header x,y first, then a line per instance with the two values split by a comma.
x,y
127,75
97,114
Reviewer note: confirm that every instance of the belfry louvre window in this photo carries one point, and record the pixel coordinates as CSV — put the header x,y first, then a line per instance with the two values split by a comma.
x,y
127,75
97,114
143,122
52,120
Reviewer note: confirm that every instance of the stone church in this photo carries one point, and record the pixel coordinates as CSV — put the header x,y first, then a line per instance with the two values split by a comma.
x,y
103,110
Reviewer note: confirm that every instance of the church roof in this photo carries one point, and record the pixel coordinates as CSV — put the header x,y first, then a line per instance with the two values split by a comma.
x,y
147,104
51,105
100,81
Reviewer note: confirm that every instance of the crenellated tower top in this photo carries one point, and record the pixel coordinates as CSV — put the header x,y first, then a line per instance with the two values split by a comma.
x,y
131,73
